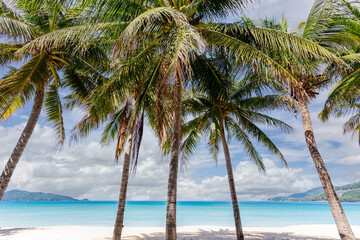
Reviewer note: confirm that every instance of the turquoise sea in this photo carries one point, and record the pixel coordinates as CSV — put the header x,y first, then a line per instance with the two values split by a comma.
x,y
151,214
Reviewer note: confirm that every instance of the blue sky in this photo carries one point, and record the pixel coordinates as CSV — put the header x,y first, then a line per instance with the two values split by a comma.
x,y
87,170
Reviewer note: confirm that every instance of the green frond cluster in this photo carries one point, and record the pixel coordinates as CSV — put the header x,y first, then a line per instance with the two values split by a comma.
x,y
219,98
344,36
46,41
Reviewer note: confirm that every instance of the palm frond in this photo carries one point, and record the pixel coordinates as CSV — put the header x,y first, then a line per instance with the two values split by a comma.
x,y
14,28
113,10
9,105
25,80
54,111
80,86
9,8
137,138
346,88
7,52
244,139
253,117
319,19
245,53
75,39
217,8
192,131
268,102
111,130
261,137
214,140
278,41
84,127
189,145
179,40
352,123
354,57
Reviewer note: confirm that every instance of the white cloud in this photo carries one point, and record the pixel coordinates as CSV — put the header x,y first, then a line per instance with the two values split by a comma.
x,y
250,183
87,170
351,160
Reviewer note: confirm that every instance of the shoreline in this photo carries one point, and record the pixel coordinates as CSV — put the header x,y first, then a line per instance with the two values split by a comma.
x,y
298,232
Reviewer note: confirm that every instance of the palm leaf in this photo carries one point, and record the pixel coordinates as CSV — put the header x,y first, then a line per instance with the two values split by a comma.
x,y
216,8
319,19
25,80
7,52
84,127
111,130
17,29
346,88
138,133
54,112
146,23
8,8
192,131
278,41
245,53
214,140
244,139
268,102
75,39
10,105
261,137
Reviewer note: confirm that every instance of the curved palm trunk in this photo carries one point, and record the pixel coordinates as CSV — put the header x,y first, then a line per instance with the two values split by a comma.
x,y
122,197
170,232
21,144
235,203
337,211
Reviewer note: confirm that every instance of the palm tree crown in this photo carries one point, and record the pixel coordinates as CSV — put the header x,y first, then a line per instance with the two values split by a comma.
x,y
38,77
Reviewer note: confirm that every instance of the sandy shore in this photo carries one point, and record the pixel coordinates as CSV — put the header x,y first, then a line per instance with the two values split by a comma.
x,y
297,232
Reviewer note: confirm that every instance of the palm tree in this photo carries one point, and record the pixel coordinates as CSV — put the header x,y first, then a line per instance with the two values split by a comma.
x,y
343,99
126,124
338,213
175,31
308,80
38,77
222,105
316,28
178,30
122,100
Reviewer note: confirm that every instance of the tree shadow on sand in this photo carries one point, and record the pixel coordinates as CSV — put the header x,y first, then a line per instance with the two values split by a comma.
x,y
11,231
228,235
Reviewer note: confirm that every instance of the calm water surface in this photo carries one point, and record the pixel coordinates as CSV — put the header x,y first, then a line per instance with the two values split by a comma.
x,y
152,214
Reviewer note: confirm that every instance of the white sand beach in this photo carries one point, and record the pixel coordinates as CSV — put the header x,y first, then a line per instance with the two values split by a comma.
x,y
296,232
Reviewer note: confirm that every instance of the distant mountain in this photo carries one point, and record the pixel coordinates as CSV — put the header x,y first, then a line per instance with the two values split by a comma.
x,y
18,195
346,193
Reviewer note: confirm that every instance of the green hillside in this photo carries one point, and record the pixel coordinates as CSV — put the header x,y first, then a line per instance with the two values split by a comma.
x,y
18,195
346,193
